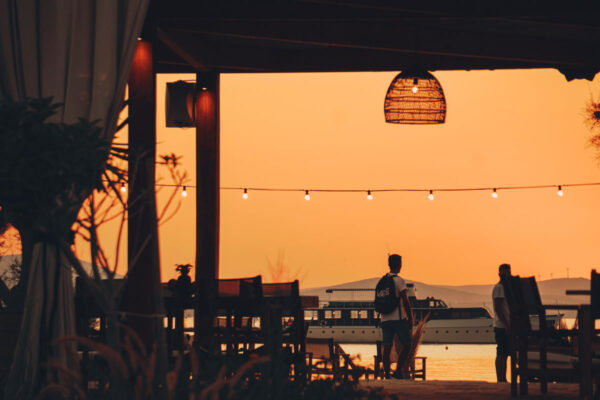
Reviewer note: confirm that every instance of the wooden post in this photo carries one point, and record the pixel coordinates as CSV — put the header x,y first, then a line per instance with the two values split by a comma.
x,y
142,297
207,203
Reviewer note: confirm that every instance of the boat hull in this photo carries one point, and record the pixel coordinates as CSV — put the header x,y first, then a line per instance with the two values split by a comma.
x,y
442,331
464,331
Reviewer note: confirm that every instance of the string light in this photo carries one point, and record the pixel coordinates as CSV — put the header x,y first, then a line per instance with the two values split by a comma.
x,y
415,85
123,188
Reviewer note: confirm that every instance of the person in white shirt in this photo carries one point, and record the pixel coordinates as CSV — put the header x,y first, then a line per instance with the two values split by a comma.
x,y
398,322
501,324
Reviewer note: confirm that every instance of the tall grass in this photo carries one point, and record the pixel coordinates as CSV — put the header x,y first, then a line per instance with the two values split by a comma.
x,y
413,349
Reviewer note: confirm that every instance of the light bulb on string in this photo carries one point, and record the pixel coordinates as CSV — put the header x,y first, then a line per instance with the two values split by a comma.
x,y
306,195
415,83
184,192
369,195
560,192
495,194
430,197
123,188
245,194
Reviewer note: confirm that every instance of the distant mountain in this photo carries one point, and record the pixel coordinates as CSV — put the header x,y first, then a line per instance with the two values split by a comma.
x,y
552,292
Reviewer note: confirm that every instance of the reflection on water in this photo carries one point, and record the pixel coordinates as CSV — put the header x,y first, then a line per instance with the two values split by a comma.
x,y
470,362
452,362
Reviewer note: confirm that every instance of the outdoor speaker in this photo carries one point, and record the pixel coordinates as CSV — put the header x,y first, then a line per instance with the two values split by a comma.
x,y
180,104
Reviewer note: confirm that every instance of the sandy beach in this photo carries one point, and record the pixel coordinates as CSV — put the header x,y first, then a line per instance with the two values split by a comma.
x,y
458,390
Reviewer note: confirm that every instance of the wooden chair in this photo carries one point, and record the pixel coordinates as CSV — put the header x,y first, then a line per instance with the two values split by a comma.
x,y
415,371
348,366
323,360
524,301
238,302
283,315
589,340
283,324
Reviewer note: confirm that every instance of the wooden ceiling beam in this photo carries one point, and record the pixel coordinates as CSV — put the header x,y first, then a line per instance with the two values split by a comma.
x,y
241,52
376,35
257,9
248,56
185,54
538,44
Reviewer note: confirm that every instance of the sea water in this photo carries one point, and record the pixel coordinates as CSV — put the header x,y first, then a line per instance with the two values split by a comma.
x,y
453,362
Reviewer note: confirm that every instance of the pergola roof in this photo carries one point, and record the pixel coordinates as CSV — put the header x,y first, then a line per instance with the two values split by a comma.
x,y
376,35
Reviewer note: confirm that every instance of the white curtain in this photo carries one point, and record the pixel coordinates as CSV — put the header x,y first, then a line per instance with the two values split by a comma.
x,y
79,52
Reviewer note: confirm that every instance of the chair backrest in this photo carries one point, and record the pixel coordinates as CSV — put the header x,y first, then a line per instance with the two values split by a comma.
x,y
284,308
595,294
241,294
281,289
532,302
523,298
512,293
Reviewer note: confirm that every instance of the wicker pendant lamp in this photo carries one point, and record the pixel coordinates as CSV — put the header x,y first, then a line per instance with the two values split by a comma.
x,y
415,97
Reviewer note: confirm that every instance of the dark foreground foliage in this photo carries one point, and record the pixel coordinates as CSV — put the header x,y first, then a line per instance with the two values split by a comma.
x,y
129,375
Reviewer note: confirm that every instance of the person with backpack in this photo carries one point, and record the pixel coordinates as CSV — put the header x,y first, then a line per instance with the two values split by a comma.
x,y
501,323
391,302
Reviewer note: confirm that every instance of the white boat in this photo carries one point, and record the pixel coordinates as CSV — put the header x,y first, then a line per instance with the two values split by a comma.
x,y
358,322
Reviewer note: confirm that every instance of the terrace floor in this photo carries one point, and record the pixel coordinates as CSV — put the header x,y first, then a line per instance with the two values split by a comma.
x,y
458,390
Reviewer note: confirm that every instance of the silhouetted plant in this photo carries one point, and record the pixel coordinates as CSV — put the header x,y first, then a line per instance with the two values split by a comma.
x,y
417,338
105,205
592,117
47,169
279,271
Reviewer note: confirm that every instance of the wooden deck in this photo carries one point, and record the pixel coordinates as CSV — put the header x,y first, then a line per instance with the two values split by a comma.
x,y
459,390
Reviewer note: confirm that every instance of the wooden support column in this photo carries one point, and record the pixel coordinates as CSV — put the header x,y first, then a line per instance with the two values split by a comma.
x,y
142,293
207,202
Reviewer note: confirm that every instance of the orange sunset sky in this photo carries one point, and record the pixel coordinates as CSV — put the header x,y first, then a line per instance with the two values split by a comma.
x,y
327,131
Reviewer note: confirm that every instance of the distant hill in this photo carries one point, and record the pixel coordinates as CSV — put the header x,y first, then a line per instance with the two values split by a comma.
x,y
552,292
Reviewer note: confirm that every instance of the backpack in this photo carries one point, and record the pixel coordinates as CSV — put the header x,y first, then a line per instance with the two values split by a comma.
x,y
386,300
